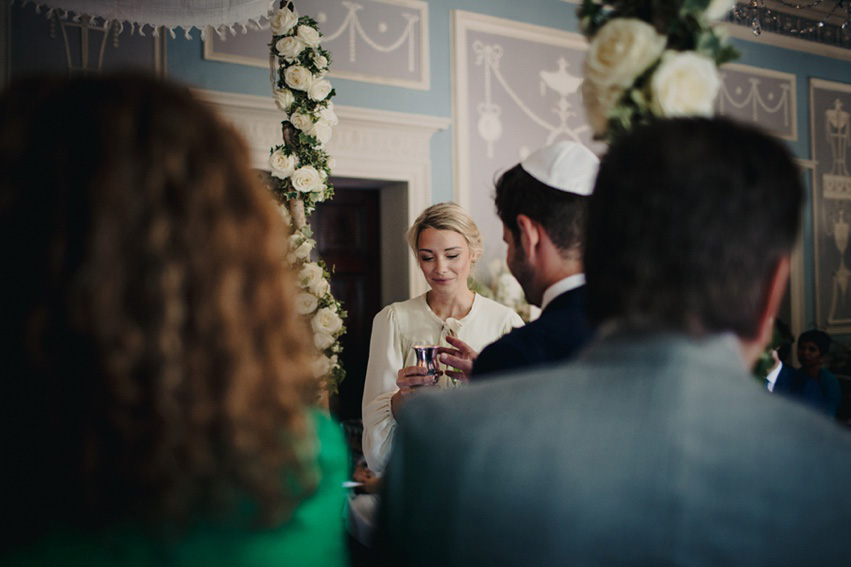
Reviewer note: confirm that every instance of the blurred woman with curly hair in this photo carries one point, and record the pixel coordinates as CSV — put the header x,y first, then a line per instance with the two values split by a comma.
x,y
157,383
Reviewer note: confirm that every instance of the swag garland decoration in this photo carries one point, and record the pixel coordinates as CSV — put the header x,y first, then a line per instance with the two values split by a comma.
x,y
651,58
300,169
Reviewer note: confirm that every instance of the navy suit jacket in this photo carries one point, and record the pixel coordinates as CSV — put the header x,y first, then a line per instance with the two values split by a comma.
x,y
560,331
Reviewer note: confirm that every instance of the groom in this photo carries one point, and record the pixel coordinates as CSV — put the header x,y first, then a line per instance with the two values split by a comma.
x,y
651,447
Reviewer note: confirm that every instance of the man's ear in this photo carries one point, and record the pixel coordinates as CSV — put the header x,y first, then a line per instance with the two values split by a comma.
x,y
529,234
774,295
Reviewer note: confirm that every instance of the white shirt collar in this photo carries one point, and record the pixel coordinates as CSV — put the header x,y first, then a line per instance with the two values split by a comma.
x,y
561,286
772,377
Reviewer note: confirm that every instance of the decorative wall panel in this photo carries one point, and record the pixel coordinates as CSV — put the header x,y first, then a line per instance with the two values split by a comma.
x,y
759,96
830,115
516,88
376,41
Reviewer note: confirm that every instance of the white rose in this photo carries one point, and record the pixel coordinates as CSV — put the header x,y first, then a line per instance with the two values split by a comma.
x,y
306,303
309,274
332,163
303,250
321,61
321,130
289,47
326,320
621,51
323,340
717,9
685,84
329,116
319,90
282,165
284,98
320,287
306,179
283,21
321,366
308,36
301,121
298,77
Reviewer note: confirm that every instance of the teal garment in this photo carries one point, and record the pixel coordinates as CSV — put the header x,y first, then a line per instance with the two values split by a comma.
x,y
315,536
831,390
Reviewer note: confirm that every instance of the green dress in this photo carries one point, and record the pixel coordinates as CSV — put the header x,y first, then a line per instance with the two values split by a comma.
x,y
315,536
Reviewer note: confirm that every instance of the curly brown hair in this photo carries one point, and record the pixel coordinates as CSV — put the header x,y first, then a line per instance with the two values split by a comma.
x,y
155,365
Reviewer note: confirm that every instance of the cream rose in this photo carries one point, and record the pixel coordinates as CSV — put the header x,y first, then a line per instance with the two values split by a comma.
x,y
717,9
283,21
321,366
302,121
320,61
622,50
306,303
302,252
298,77
284,99
289,47
306,179
329,116
323,340
321,130
326,320
309,274
318,90
308,36
320,287
331,163
685,84
282,165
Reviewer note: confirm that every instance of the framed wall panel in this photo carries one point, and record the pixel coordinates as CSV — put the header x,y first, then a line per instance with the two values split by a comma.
x,y
759,96
376,41
830,127
515,89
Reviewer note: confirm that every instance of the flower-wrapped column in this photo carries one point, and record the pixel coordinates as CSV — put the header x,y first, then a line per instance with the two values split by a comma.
x,y
300,169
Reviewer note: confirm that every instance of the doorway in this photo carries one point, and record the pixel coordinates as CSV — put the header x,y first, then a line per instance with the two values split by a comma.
x,y
348,239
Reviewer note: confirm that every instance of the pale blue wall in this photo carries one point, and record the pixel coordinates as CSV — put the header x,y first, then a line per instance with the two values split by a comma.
x,y
185,63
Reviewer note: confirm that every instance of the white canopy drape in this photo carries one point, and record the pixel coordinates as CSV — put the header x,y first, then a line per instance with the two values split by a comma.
x,y
221,15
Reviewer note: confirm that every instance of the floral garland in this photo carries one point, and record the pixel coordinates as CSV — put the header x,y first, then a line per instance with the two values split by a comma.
x,y
300,168
651,58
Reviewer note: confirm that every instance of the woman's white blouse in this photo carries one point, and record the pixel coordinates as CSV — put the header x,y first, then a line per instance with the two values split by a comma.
x,y
395,330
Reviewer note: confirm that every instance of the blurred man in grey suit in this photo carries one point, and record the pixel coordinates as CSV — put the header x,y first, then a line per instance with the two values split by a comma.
x,y
656,446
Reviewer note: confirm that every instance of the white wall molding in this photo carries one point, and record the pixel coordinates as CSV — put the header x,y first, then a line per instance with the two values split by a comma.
x,y
367,144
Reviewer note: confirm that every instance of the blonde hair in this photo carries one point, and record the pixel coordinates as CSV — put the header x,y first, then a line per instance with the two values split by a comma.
x,y
447,216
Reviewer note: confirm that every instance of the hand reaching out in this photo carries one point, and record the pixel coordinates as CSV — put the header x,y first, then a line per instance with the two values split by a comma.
x,y
460,357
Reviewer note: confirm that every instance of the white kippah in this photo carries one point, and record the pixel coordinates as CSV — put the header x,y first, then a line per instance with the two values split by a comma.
x,y
566,166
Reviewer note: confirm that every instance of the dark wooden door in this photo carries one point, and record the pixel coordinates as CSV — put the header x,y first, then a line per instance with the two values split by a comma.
x,y
347,239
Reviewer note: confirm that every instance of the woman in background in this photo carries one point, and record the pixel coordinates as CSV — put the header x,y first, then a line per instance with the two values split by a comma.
x,y
157,385
446,244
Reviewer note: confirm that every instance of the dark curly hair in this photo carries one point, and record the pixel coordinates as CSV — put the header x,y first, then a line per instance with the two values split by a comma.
x,y
155,365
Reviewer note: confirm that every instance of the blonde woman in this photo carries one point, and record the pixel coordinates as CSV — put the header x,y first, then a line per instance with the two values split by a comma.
x,y
446,244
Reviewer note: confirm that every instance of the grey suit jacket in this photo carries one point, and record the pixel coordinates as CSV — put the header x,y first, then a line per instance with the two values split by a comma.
x,y
646,450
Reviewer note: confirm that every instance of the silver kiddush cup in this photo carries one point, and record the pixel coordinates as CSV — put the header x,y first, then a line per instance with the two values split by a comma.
x,y
427,358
